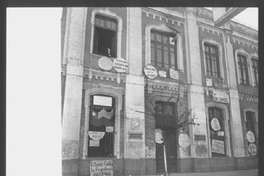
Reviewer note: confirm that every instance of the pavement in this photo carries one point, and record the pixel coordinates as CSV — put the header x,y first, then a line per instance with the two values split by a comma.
x,y
253,172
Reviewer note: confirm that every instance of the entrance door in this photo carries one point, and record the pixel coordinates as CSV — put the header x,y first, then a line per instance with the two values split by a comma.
x,y
165,124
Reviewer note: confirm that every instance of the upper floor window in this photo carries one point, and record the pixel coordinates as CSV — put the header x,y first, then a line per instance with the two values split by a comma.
x,y
105,36
163,50
255,71
243,69
212,60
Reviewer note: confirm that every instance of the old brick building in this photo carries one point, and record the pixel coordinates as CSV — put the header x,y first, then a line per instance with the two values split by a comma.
x,y
130,74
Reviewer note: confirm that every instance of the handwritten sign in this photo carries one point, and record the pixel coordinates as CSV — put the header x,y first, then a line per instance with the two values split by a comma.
x,y
101,168
250,136
120,65
150,71
218,146
96,135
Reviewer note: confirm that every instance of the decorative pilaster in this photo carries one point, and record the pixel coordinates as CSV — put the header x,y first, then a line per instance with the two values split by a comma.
x,y
73,55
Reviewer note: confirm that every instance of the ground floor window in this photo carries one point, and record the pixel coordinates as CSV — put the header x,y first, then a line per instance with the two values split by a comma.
x,y
101,126
217,132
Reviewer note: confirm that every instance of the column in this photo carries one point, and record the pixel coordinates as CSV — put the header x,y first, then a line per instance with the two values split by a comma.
x,y
235,116
199,149
134,96
73,54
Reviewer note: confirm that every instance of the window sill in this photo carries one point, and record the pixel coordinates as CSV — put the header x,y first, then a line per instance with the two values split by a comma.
x,y
98,55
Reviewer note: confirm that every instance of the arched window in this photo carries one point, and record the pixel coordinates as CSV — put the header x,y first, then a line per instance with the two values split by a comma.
x,y
212,60
101,126
163,50
105,36
255,71
243,69
217,132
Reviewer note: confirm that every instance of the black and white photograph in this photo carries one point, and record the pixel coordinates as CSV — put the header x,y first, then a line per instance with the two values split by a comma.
x,y
140,91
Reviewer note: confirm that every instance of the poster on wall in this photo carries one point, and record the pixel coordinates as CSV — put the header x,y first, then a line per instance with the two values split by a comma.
x,y
94,143
101,168
96,135
158,136
218,146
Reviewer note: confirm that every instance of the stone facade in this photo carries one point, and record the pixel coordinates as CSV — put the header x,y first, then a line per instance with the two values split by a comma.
x,y
137,90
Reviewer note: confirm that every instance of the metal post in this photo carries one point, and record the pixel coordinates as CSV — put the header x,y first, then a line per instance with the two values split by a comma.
x,y
165,156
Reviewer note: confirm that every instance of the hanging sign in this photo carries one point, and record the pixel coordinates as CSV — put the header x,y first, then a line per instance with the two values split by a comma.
x,y
105,63
174,74
252,149
120,65
215,124
218,146
96,135
150,71
250,136
101,168
184,140
159,137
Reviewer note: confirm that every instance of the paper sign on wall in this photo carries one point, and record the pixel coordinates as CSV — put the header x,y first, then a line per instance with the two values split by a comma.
x,y
218,146
101,168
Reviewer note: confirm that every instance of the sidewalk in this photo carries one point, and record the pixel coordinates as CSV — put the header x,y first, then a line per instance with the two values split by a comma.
x,y
253,172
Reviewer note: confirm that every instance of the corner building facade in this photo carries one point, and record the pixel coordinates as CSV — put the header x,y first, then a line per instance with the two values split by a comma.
x,y
131,75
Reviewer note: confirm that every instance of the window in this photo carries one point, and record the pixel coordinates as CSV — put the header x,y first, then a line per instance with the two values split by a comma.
x,y
163,50
101,126
105,36
255,71
165,113
251,133
243,69
217,132
212,60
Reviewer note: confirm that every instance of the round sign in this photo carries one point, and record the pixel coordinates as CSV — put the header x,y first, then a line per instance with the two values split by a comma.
x,y
250,136
105,63
184,140
96,135
120,65
252,149
215,124
159,137
150,71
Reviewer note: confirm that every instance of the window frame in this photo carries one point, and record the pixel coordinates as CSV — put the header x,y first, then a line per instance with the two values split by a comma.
x,y
169,47
243,67
113,15
166,29
255,71
209,61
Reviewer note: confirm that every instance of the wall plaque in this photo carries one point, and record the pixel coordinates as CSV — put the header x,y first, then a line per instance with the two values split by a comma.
x,y
137,136
218,146
199,137
150,71
105,63
162,73
220,96
184,140
215,124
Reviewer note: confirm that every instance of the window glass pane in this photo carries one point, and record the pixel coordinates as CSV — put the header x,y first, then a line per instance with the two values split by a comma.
x,y
108,24
152,36
159,58
158,37
165,39
114,25
102,23
152,53
166,55
172,58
